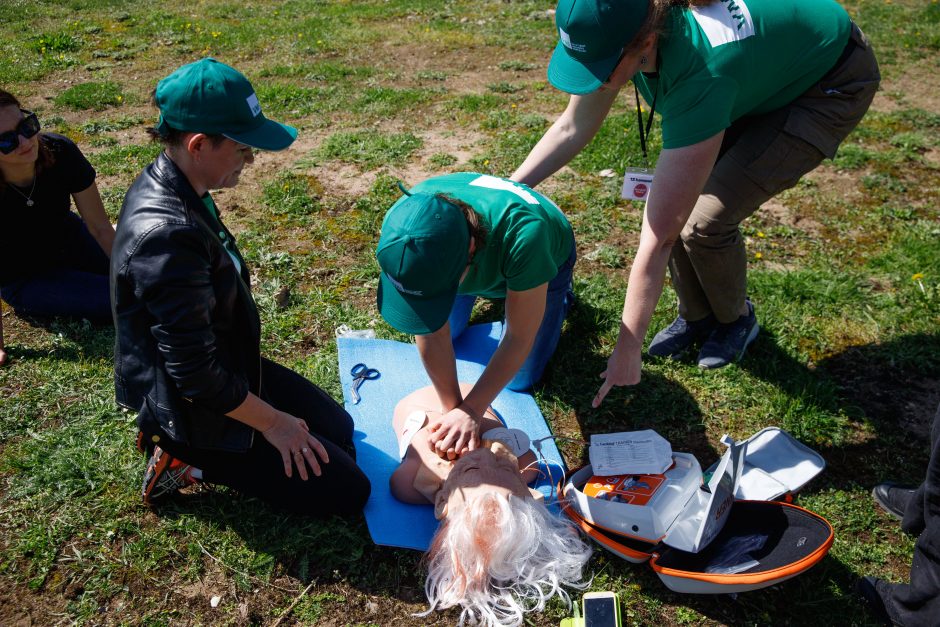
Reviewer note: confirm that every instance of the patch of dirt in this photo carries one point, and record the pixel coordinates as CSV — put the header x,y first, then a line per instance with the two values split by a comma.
x,y
19,609
776,212
917,86
932,156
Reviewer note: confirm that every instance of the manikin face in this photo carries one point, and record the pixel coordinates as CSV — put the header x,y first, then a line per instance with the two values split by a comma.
x,y
28,150
220,166
490,469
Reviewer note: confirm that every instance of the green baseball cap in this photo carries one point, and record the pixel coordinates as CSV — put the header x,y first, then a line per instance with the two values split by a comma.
x,y
207,96
423,250
593,34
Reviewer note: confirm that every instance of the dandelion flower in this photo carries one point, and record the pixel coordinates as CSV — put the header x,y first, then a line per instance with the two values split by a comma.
x,y
758,255
917,276
761,234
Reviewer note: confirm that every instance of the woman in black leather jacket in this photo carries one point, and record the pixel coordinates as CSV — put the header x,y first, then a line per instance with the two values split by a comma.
x,y
187,352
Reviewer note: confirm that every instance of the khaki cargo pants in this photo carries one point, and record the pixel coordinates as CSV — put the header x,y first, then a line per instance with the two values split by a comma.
x,y
760,157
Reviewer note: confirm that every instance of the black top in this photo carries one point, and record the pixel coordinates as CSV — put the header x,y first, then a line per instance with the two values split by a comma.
x,y
31,238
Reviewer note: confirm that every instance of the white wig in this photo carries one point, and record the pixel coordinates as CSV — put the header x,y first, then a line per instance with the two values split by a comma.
x,y
500,557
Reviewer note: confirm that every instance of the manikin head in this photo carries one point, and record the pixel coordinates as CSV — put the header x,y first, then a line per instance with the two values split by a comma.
x,y
498,552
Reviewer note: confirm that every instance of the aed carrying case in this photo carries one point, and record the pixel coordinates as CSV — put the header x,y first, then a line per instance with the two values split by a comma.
x,y
721,535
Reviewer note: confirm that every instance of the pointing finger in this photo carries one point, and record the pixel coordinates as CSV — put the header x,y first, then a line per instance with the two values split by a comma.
x,y
601,394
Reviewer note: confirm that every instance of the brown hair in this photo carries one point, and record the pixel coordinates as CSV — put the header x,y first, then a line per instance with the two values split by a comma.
x,y
656,19
475,224
46,157
171,137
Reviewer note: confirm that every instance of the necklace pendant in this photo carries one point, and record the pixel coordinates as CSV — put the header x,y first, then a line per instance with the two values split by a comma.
x,y
29,202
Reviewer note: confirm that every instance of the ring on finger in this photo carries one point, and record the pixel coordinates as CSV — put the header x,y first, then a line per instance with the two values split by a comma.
x,y
305,450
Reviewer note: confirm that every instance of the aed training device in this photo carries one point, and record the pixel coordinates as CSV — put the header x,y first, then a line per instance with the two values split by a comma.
x,y
640,506
723,535
601,609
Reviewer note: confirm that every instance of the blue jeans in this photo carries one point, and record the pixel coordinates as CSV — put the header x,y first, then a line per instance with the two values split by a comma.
x,y
557,303
76,287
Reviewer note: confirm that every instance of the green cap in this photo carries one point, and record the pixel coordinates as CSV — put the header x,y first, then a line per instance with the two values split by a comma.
x,y
423,251
593,35
213,98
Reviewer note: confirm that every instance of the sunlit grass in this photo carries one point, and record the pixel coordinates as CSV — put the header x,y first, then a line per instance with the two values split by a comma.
x,y
843,273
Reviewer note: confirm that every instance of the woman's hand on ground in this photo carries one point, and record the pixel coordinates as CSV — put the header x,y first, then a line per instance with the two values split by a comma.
x,y
3,356
623,368
454,433
291,437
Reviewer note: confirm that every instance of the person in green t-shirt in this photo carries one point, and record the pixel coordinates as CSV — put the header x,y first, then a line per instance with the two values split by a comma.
x,y
753,94
454,238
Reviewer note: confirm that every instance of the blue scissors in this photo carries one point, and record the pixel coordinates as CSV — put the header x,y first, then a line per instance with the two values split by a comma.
x,y
360,373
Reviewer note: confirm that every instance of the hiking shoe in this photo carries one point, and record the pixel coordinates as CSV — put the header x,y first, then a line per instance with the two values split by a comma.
x,y
728,342
893,498
675,339
872,591
164,475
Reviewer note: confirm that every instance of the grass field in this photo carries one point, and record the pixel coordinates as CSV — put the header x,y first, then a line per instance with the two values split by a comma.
x,y
845,276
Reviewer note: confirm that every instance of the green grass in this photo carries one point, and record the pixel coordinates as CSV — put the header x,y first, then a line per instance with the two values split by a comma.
x,y
843,271
370,149
128,160
91,96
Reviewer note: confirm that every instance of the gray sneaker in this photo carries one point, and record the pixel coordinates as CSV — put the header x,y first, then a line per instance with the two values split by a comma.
x,y
680,335
728,342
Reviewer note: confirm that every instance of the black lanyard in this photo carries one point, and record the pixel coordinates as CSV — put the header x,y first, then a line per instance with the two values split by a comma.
x,y
644,134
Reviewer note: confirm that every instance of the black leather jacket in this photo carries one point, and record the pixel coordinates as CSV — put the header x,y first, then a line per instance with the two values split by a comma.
x,y
187,347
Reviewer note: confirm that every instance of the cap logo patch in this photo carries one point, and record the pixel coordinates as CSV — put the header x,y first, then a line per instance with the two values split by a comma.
x,y
566,40
401,288
253,104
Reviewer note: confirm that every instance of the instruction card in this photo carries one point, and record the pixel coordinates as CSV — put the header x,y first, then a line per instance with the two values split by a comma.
x,y
630,453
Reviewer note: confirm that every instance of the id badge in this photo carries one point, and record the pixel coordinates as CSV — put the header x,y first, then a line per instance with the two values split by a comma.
x,y
637,183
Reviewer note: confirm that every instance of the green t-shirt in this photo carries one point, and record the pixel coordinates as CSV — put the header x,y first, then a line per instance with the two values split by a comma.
x,y
227,242
739,57
528,237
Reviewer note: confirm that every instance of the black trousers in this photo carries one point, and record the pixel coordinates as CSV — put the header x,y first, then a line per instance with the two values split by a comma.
x,y
918,603
342,488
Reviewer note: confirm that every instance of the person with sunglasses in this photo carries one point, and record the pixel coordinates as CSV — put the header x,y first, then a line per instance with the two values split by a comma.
x,y
753,94
187,356
52,263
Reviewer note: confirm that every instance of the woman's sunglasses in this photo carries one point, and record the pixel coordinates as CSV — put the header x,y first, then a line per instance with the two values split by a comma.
x,y
27,127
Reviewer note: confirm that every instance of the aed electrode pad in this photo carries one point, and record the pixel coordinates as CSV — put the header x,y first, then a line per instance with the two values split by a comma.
x,y
413,424
515,439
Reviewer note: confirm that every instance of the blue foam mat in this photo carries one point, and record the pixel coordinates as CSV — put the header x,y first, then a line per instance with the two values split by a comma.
x,y
391,522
